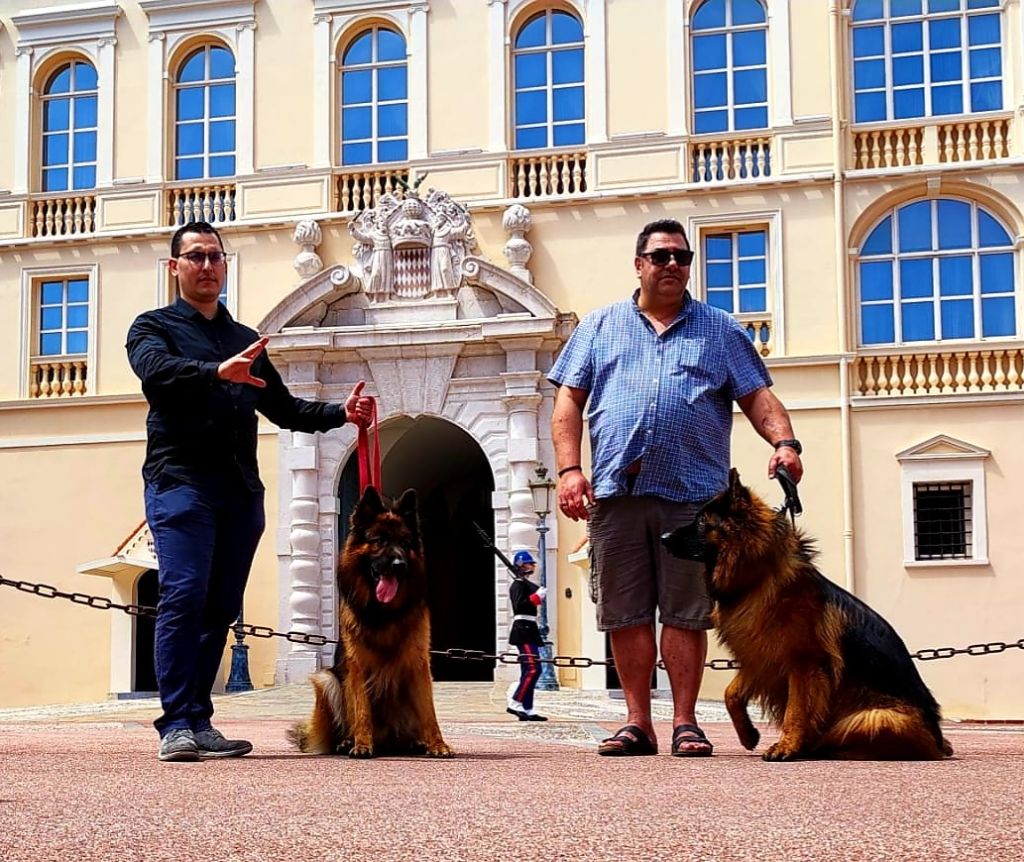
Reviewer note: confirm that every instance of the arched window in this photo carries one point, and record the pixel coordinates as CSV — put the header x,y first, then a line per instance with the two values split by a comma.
x,y
375,99
69,128
730,66
923,58
934,270
204,120
547,61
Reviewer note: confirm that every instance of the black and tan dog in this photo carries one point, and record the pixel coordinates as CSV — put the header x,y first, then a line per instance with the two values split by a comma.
x,y
378,697
826,668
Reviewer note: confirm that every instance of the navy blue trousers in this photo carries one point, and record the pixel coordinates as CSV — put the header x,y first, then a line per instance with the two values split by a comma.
x,y
205,540
529,673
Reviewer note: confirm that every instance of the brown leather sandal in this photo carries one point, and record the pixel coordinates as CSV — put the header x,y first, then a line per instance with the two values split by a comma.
x,y
627,741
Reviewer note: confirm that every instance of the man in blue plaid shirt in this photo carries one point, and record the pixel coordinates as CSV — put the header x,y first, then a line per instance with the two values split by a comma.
x,y
661,371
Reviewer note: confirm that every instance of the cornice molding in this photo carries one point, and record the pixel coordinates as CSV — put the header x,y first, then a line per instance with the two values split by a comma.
x,y
81,22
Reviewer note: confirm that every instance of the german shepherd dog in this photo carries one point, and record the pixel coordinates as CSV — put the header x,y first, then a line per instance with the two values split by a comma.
x,y
378,698
826,668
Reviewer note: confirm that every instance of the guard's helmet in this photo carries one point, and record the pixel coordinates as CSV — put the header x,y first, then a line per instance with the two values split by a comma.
x,y
523,558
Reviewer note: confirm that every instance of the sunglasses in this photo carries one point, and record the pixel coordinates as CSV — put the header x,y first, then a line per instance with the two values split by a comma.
x,y
198,258
661,256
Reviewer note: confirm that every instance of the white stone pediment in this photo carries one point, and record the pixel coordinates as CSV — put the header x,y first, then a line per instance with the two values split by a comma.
x,y
334,298
942,446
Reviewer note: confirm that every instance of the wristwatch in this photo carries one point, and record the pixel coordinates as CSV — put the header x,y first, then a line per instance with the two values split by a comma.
x,y
790,444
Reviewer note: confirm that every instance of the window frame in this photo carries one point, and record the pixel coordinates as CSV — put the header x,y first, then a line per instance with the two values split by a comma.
x,y
730,106
935,256
547,49
32,278
927,53
374,66
176,28
206,84
72,96
770,221
944,460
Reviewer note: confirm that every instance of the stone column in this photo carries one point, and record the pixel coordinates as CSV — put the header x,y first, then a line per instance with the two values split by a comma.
x,y
304,567
302,613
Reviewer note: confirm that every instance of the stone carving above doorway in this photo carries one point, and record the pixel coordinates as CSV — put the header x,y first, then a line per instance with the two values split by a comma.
x,y
412,248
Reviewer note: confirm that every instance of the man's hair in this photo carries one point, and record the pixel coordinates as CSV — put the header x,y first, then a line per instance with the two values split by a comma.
x,y
193,227
662,225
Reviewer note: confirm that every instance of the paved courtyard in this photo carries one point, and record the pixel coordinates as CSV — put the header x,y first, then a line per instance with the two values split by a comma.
x,y
83,783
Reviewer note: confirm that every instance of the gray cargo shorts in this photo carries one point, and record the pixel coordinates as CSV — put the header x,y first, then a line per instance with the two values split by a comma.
x,y
631,571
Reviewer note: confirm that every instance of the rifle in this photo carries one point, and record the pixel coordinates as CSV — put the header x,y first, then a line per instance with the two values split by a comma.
x,y
512,567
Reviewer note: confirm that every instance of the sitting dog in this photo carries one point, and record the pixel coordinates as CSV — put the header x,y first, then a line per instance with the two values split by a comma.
x,y
826,668
378,698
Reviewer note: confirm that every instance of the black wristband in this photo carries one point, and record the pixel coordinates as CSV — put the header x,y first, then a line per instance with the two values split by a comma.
x,y
791,444
565,470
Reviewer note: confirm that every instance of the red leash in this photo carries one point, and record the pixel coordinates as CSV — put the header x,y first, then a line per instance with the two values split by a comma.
x,y
369,463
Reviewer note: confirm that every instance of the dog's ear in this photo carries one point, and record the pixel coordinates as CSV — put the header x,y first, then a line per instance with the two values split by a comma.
x,y
408,511
737,490
368,508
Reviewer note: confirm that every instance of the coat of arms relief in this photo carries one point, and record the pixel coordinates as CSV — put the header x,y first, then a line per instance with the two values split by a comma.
x,y
412,248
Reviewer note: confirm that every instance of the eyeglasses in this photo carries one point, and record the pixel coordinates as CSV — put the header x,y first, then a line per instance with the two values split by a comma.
x,y
198,258
661,256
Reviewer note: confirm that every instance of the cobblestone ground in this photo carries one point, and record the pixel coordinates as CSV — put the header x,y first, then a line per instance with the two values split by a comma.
x,y
83,783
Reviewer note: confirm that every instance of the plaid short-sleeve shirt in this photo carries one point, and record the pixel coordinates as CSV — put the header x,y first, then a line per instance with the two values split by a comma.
x,y
666,399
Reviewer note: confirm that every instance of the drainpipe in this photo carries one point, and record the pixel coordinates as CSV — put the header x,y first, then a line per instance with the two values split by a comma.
x,y
839,126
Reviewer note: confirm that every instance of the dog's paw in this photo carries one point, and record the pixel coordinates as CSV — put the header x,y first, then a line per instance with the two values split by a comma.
x,y
749,737
361,750
343,746
439,749
779,752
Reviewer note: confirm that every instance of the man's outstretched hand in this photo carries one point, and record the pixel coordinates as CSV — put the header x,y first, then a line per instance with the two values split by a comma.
x,y
359,408
238,369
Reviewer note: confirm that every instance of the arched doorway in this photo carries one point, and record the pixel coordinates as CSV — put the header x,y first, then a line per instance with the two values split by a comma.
x,y
454,484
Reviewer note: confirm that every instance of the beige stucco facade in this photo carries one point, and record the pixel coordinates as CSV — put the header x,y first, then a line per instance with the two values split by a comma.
x,y
874,420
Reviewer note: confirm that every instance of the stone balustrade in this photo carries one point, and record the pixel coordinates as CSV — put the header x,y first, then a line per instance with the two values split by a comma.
x,y
995,368
53,377
209,202
551,174
362,190
974,140
732,159
929,142
63,215
759,330
888,148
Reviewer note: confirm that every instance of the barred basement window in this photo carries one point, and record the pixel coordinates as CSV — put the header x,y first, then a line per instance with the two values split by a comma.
x,y
943,521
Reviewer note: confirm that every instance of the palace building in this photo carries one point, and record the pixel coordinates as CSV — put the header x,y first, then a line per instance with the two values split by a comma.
x,y
428,195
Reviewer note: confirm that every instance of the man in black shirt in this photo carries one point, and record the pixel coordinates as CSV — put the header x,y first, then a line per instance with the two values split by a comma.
x,y
205,376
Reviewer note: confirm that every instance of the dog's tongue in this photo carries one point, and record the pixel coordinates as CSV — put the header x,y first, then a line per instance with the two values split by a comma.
x,y
386,589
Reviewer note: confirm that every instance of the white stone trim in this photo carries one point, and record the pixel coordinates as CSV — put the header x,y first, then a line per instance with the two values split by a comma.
x,y
497,69
677,54
86,28
335,19
171,22
695,225
779,67
32,274
595,65
945,459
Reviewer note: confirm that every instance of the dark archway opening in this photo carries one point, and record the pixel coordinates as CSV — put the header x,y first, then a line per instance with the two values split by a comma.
x,y
453,483
147,592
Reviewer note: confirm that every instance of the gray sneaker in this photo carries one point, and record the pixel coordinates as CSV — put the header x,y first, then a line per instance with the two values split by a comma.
x,y
178,745
211,743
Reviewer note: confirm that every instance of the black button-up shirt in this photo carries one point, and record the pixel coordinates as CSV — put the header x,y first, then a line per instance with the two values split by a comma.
x,y
202,430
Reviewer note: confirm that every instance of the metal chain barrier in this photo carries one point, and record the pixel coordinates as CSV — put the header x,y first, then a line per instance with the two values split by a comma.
x,y
246,629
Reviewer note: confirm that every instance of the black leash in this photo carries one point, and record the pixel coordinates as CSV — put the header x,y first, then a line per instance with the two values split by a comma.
x,y
792,503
